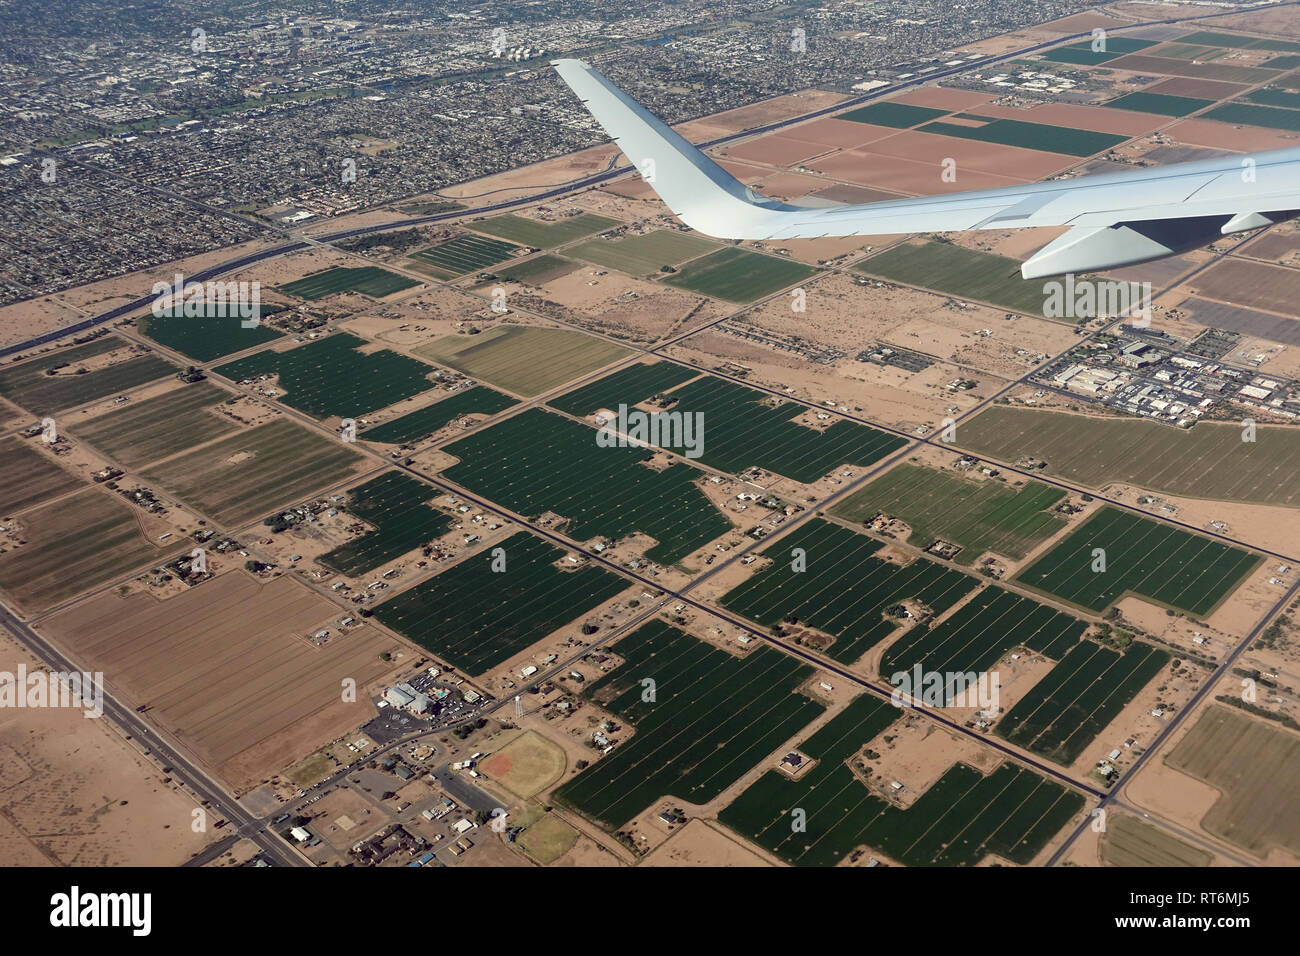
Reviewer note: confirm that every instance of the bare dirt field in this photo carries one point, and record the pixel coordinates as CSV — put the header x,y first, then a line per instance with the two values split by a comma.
x,y
701,843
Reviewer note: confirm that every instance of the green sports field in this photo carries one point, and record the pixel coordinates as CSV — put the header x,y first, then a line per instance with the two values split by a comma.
x,y
739,275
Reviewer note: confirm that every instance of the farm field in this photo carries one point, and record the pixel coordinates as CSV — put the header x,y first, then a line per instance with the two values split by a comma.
x,y
1248,114
714,717
1129,841
371,281
144,431
1159,103
953,270
237,683
208,338
535,271
1257,770
1051,139
1084,55
523,359
742,428
1269,97
1096,451
475,619
246,475
461,255
27,477
1239,42
28,385
988,515
627,386
425,421
538,461
73,544
1173,66
643,255
1156,561
845,590
397,506
739,275
962,818
976,636
895,115
1065,711
331,377
543,235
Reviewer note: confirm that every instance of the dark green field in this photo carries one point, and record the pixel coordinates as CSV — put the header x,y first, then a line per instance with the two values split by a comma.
x,y
28,477
544,235
962,818
1082,53
1271,97
397,506
330,377
1065,711
422,422
739,275
144,431
1156,561
1051,139
713,718
538,461
535,271
475,618
464,254
627,386
28,385
645,254
845,589
205,339
896,115
965,273
1269,117
979,515
1236,41
974,638
368,280
1159,104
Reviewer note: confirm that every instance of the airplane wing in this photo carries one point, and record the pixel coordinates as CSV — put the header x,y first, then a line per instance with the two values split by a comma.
x,y
1116,218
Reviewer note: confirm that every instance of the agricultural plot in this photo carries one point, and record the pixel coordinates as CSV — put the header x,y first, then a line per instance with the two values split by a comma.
x,y
895,115
1129,841
1051,139
1152,560
962,818
979,516
1096,451
739,275
157,427
1065,711
845,590
1084,55
538,461
397,506
543,235
1235,41
73,544
28,383
467,253
1247,114
425,421
966,273
1272,97
627,386
371,281
643,255
209,337
713,716
330,376
475,618
28,477
742,428
537,270
248,474
523,359
1159,103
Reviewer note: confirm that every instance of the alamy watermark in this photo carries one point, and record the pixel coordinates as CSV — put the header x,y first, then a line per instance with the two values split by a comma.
x,y
67,689
197,300
1092,298
682,431
946,689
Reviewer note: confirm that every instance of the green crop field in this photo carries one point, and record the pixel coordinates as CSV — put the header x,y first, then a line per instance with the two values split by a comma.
x,y
535,271
331,377
1235,41
249,473
523,359
844,590
962,818
28,477
979,515
1269,117
980,632
643,255
713,717
896,115
371,281
210,337
1272,97
539,461
423,422
743,427
397,506
953,270
739,275
1065,711
543,235
467,253
144,431
1189,51
1156,561
475,618
1159,104
1083,54
28,383
1051,139
1208,461
628,386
